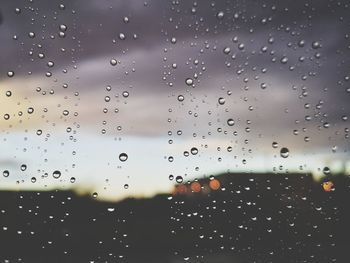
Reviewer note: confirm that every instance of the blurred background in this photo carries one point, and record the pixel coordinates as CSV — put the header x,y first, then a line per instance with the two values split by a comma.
x,y
174,131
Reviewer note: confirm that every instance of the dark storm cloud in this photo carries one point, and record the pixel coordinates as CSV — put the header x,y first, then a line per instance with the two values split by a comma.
x,y
92,39
92,25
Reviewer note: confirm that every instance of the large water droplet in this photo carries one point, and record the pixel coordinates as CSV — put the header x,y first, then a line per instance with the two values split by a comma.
x,y
6,173
179,179
230,122
189,81
23,167
180,98
221,101
10,74
194,150
123,157
113,62
284,152
326,171
56,174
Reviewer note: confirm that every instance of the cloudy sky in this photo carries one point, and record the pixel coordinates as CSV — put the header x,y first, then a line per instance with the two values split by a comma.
x,y
83,81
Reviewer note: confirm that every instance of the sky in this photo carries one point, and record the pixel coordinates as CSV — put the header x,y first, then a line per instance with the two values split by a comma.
x,y
154,79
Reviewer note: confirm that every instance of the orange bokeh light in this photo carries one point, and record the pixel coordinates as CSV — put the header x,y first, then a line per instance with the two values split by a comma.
x,y
328,186
196,187
181,189
214,184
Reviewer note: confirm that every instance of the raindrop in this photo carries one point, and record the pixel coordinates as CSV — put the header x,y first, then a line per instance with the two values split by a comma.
x,y
326,171
230,122
179,179
180,98
284,60
241,46
122,36
6,173
56,174
23,167
10,74
326,125
274,145
194,150
220,15
113,62
123,157
31,34
316,45
284,152
301,43
63,28
227,50
221,101
189,81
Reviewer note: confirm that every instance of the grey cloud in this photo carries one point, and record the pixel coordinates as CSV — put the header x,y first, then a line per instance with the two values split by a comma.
x,y
89,45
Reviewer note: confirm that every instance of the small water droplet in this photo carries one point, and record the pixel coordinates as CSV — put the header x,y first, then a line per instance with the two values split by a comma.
x,y
122,36
220,15
227,50
315,45
31,34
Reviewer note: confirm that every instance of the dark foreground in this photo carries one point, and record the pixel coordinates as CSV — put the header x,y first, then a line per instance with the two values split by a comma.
x,y
252,218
